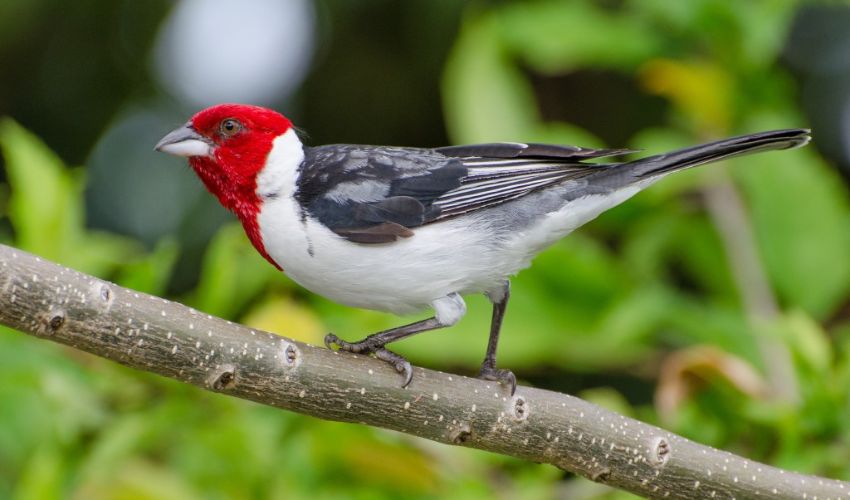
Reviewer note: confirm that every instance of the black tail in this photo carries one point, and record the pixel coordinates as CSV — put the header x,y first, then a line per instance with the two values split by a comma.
x,y
719,150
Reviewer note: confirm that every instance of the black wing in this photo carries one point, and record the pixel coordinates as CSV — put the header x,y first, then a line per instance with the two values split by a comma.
x,y
370,194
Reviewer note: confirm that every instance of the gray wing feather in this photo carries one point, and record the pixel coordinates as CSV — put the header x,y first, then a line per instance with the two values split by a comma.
x,y
491,182
373,194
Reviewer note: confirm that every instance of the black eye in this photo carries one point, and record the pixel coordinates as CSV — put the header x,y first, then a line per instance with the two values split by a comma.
x,y
230,127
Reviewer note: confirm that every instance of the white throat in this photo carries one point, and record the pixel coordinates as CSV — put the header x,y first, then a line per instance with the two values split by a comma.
x,y
278,178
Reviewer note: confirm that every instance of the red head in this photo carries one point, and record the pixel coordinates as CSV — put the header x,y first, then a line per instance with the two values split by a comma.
x,y
227,146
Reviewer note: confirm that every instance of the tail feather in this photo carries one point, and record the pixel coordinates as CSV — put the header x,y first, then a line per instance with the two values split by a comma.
x,y
716,151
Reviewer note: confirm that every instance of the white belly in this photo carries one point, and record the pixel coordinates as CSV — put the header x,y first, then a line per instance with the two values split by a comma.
x,y
401,277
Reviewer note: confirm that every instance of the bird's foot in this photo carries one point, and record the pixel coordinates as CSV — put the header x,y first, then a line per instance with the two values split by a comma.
x,y
366,346
400,364
504,377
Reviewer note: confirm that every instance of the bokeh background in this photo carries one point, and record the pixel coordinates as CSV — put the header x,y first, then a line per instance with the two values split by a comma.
x,y
716,304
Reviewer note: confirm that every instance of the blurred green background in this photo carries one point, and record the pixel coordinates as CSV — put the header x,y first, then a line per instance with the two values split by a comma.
x,y
716,304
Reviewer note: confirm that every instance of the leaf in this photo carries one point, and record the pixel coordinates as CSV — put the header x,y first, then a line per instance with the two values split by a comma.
x,y
374,459
287,317
232,275
808,341
693,320
485,98
701,90
112,446
764,28
743,34
685,371
801,218
41,206
42,476
608,398
139,480
556,37
46,208
42,382
150,273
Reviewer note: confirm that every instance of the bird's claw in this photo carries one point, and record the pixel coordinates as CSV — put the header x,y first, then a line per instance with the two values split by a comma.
x,y
504,377
398,362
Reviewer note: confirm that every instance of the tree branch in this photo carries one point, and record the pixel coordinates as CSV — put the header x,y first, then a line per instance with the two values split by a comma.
x,y
731,218
153,334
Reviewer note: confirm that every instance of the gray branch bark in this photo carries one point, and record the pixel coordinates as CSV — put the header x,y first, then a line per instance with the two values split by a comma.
x,y
152,334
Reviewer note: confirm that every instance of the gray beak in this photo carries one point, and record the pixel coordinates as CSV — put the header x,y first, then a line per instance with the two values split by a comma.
x,y
185,141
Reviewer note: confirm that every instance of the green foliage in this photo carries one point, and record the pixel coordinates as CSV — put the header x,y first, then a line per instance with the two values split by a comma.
x,y
233,274
630,297
714,62
46,207
800,217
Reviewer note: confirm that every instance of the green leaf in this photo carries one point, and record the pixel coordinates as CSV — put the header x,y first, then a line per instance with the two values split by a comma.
x,y
693,321
46,207
139,480
485,97
41,206
808,341
801,218
150,273
233,274
113,445
555,37
764,26
745,34
608,398
42,476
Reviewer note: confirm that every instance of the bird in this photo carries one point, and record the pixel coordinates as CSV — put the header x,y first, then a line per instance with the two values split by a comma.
x,y
405,229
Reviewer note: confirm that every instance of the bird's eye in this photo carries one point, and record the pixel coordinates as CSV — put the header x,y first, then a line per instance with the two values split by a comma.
x,y
230,127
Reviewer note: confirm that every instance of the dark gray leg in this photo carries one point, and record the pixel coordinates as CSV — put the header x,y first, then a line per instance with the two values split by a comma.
x,y
374,344
488,367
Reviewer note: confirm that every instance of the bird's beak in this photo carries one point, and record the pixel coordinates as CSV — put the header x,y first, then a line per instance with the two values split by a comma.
x,y
185,141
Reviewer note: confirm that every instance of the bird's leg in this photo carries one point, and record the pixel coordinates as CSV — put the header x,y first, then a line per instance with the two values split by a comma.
x,y
374,344
449,310
488,367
